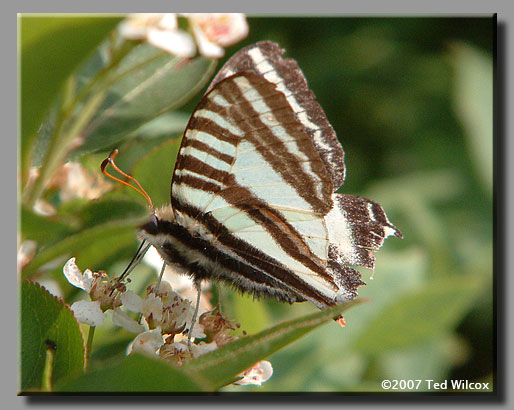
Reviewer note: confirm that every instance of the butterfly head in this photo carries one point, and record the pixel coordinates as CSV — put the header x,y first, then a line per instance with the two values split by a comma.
x,y
152,226
157,222
156,230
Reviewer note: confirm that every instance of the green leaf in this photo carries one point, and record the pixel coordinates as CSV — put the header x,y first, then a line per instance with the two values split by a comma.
x,y
42,229
134,373
106,209
51,48
473,99
420,315
151,82
154,171
43,317
252,316
116,347
96,242
221,367
167,124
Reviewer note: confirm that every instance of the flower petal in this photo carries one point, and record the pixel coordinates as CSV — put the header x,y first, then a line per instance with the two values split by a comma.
x,y
131,31
213,31
88,312
205,47
175,42
147,343
121,319
203,348
87,280
238,30
74,275
257,374
135,26
152,305
165,289
223,29
131,301
169,22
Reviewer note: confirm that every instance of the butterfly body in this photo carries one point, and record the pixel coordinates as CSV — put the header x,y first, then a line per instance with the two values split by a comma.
x,y
252,198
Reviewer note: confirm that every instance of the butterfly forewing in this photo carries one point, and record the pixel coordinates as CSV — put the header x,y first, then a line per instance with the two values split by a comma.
x,y
271,190
265,58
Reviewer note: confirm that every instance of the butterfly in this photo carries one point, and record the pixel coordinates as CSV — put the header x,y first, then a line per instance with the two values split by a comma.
x,y
253,200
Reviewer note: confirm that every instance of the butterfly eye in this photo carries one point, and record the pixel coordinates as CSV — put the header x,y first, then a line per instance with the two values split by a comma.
x,y
152,226
154,220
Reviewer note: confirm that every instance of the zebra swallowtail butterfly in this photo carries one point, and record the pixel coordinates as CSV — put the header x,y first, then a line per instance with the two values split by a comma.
x,y
252,194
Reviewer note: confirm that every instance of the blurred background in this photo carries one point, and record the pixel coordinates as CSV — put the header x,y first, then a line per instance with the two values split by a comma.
x,y
411,102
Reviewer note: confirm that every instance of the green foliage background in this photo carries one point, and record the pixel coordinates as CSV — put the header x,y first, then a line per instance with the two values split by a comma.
x,y
411,102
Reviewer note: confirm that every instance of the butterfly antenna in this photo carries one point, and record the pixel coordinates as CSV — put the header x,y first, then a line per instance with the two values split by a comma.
x,y
135,259
110,160
140,253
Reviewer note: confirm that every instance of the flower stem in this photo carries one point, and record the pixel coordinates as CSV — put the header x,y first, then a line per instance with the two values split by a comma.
x,y
89,345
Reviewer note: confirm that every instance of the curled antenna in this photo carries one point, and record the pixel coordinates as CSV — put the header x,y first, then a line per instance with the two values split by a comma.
x,y
110,160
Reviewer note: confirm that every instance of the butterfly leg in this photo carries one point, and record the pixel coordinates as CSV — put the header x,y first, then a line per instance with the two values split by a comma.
x,y
160,277
189,334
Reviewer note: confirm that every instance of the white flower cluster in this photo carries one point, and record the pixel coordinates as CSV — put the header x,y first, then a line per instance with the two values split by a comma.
x,y
164,317
164,310
211,32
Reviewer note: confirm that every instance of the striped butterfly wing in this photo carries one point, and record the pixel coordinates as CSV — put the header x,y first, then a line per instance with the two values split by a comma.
x,y
249,177
253,187
266,59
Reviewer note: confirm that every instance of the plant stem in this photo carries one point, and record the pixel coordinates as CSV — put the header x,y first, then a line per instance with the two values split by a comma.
x,y
89,345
